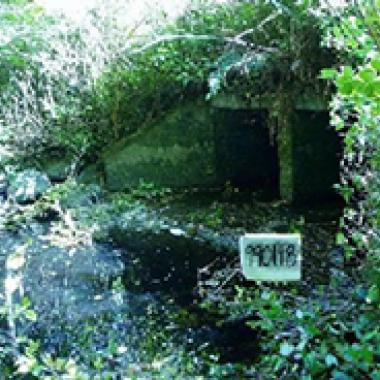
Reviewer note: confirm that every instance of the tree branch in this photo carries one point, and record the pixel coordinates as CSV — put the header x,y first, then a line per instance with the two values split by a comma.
x,y
187,36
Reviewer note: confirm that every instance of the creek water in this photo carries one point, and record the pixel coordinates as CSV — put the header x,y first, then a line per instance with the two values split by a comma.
x,y
136,304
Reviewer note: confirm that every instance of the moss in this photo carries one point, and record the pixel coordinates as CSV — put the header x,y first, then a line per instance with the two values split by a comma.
x,y
178,150
285,155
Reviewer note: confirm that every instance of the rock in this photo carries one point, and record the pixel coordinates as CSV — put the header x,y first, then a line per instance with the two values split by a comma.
x,y
57,169
90,175
28,186
62,284
3,184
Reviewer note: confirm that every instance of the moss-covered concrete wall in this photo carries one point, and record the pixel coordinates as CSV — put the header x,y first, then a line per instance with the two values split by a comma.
x,y
178,150
199,145
194,145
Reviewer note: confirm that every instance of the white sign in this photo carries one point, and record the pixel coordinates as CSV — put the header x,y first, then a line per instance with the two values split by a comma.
x,y
271,257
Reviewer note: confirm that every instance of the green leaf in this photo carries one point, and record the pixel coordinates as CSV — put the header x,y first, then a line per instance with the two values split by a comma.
x,y
25,302
375,375
313,364
31,315
345,85
340,239
328,74
375,62
367,75
373,294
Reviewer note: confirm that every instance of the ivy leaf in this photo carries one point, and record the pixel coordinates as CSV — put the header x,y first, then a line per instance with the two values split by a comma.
x,y
25,302
339,238
313,364
345,86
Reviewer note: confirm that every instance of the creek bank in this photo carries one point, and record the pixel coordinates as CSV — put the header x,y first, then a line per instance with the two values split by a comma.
x,y
212,221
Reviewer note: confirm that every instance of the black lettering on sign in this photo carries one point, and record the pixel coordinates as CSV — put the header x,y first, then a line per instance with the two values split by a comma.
x,y
291,257
267,256
277,255
254,251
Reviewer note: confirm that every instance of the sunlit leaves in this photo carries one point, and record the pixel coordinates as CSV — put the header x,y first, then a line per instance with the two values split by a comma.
x,y
375,62
328,74
344,81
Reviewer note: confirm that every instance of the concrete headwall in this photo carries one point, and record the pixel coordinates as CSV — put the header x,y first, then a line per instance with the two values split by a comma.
x,y
194,145
198,144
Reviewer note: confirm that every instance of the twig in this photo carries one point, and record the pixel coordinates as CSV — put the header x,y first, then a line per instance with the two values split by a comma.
x,y
258,27
228,279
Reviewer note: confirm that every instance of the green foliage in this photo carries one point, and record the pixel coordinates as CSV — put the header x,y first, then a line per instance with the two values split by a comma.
x,y
282,53
35,78
140,87
144,193
23,357
251,49
212,218
356,113
84,91
15,48
307,341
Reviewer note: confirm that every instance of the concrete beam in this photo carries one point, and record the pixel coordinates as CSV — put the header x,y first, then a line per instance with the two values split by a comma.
x,y
234,102
286,162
